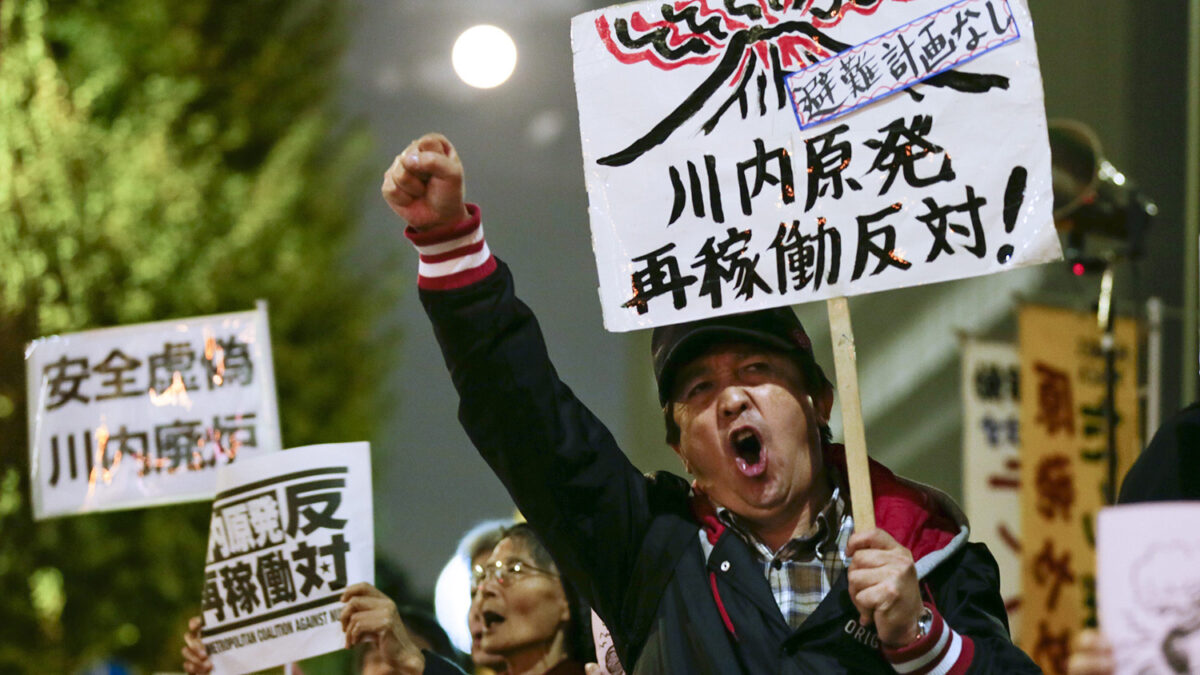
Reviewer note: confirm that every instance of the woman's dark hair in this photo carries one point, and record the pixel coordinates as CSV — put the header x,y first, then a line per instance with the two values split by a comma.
x,y
580,646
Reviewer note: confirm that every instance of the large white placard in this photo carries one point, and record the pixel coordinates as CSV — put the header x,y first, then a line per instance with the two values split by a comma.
x,y
289,533
143,415
724,175
1148,586
991,458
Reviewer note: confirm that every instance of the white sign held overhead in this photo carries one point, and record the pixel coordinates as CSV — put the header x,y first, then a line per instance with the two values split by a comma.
x,y
144,415
289,532
749,157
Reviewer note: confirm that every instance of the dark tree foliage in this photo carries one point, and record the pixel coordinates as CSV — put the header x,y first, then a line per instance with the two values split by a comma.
x,y
163,159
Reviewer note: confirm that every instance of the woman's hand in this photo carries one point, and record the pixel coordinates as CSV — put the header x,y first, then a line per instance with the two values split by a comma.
x,y
370,616
195,657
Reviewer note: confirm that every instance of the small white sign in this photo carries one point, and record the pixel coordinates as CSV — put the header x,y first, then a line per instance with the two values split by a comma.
x,y
707,197
929,45
143,415
289,533
1148,586
991,458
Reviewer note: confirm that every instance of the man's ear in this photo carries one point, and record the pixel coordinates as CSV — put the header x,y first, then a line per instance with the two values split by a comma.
x,y
823,403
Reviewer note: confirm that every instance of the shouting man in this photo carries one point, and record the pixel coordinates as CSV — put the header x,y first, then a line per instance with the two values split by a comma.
x,y
753,567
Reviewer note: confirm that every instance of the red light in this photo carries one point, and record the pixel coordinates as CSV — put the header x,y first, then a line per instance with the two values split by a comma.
x,y
1078,269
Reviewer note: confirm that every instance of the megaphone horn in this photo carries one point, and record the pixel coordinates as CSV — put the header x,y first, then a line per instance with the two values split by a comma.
x,y
1090,194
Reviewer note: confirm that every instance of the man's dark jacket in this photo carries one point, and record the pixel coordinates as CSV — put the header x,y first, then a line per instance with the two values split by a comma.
x,y
679,593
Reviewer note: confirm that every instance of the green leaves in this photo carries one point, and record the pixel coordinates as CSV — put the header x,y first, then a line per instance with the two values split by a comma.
x,y
161,159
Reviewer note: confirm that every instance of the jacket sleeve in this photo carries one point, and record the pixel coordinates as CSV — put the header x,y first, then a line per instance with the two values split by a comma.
x,y
970,631
559,463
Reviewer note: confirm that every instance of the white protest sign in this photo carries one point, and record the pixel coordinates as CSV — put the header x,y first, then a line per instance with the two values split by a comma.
x,y
289,533
991,458
724,175
1148,586
143,415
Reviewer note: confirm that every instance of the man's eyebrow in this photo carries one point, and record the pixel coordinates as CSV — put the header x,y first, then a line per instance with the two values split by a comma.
x,y
691,370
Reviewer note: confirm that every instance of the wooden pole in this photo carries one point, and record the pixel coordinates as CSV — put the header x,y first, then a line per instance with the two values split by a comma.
x,y
846,367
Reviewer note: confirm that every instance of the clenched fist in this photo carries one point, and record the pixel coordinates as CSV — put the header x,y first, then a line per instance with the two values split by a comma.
x,y
424,184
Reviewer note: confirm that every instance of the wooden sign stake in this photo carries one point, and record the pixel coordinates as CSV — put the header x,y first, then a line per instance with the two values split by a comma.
x,y
846,367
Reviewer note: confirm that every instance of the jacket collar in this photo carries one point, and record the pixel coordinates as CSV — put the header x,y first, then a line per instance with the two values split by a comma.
x,y
921,518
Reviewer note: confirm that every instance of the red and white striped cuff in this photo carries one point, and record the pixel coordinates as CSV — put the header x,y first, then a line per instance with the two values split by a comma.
x,y
942,651
452,257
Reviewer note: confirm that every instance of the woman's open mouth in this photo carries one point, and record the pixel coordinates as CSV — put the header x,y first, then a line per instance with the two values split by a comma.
x,y
491,620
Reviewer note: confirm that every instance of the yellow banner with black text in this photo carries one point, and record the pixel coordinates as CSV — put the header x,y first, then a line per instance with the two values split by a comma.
x,y
1064,467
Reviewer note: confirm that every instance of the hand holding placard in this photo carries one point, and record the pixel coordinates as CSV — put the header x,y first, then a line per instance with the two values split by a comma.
x,y
369,616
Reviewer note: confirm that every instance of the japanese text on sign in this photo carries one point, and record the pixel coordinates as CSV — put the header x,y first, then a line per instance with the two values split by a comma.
x,y
1064,433
285,540
932,44
991,459
141,415
801,256
706,198
251,565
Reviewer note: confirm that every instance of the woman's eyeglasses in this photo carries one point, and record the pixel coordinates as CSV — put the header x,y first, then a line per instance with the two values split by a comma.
x,y
504,572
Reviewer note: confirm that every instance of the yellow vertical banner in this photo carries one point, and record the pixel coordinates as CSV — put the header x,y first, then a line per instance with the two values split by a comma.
x,y
1064,470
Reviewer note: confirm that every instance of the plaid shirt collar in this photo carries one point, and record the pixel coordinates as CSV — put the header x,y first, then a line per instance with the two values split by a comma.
x,y
817,541
803,570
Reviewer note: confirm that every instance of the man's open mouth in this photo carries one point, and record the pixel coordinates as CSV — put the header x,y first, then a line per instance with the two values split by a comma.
x,y
748,448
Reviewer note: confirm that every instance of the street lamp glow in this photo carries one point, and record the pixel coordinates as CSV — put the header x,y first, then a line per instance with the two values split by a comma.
x,y
484,56
452,602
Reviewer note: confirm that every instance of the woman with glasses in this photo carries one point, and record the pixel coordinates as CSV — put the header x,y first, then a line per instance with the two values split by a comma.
x,y
525,613
530,616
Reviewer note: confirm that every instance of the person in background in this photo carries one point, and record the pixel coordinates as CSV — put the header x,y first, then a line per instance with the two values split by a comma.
x,y
531,619
1169,468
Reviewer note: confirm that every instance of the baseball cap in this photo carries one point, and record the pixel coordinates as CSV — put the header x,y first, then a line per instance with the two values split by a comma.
x,y
778,328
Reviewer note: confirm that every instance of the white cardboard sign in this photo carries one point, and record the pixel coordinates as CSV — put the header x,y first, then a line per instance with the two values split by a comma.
x,y
760,154
288,534
143,415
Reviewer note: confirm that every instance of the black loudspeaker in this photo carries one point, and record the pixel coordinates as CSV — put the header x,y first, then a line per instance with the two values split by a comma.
x,y
1091,197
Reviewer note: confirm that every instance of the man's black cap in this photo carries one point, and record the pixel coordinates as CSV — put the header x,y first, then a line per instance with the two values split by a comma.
x,y
778,328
